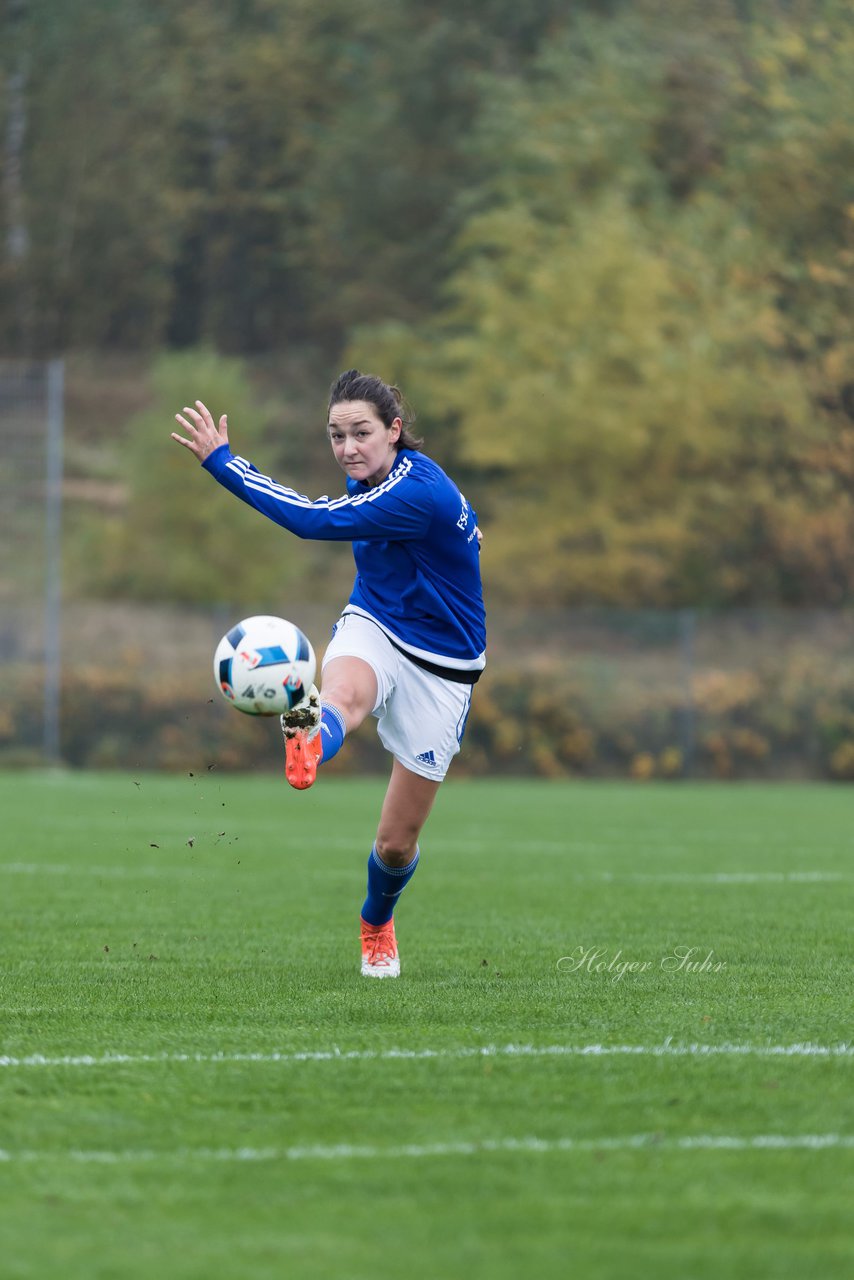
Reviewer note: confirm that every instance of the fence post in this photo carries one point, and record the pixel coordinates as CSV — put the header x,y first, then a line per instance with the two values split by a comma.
x,y
687,716
53,559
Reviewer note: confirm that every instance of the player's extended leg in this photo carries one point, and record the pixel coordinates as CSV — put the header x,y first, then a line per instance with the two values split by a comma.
x,y
392,863
314,733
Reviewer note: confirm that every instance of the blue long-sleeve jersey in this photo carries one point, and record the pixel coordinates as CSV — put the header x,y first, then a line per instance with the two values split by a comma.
x,y
414,542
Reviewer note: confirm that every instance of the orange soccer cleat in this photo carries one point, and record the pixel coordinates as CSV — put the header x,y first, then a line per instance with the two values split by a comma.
x,y
379,951
303,742
302,756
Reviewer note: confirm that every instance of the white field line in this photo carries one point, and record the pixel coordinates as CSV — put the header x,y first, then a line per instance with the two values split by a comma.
x,y
143,870
722,877
117,872
667,1049
418,1151
671,844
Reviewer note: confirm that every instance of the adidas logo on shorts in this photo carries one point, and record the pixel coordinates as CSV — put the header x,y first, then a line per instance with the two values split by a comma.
x,y
427,758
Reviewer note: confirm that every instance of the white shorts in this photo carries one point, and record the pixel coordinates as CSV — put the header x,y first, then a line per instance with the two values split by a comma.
x,y
420,716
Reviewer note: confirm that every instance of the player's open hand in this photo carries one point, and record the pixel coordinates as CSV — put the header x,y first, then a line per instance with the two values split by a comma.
x,y
205,435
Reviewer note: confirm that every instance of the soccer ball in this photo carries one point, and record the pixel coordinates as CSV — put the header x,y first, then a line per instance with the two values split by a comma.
x,y
264,666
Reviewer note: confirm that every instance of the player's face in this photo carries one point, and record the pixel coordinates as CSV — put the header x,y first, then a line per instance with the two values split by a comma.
x,y
363,445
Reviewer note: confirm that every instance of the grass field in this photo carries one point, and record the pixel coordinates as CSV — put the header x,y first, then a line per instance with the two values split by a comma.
x,y
195,1081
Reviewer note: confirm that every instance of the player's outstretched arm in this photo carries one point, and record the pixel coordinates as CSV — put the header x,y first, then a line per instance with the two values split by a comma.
x,y
204,434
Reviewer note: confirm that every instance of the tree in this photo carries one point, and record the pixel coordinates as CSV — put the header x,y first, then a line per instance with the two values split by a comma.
x,y
616,355
16,239
179,538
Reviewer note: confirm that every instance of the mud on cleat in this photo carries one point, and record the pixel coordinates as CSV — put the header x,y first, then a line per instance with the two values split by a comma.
x,y
304,716
303,742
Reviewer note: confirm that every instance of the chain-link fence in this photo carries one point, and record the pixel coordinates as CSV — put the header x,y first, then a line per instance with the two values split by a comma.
x,y
587,692
676,693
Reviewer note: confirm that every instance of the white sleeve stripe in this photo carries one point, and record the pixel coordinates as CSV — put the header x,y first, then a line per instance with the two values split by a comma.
x,y
264,484
284,496
399,473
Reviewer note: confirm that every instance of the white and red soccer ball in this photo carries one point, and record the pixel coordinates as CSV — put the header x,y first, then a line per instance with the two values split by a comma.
x,y
264,666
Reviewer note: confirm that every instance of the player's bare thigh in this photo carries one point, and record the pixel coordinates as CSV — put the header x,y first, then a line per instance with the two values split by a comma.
x,y
405,810
351,685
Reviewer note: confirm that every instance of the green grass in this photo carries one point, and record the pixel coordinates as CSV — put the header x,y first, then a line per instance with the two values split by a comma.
x,y
122,938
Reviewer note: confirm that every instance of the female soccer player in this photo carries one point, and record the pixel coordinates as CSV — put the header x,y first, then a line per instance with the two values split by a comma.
x,y
411,641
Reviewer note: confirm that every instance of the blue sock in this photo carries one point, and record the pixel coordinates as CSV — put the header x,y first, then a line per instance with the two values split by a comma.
x,y
332,731
385,885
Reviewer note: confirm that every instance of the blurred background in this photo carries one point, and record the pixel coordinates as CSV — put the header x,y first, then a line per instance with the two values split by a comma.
x,y
606,249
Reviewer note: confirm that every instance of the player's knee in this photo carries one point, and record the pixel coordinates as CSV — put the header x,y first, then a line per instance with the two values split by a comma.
x,y
396,846
353,703
351,686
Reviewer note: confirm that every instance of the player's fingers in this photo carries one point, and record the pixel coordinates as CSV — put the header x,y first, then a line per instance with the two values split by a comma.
x,y
206,415
197,417
223,425
188,426
188,444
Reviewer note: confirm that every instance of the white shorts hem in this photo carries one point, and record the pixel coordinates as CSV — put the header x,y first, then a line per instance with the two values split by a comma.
x,y
432,775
